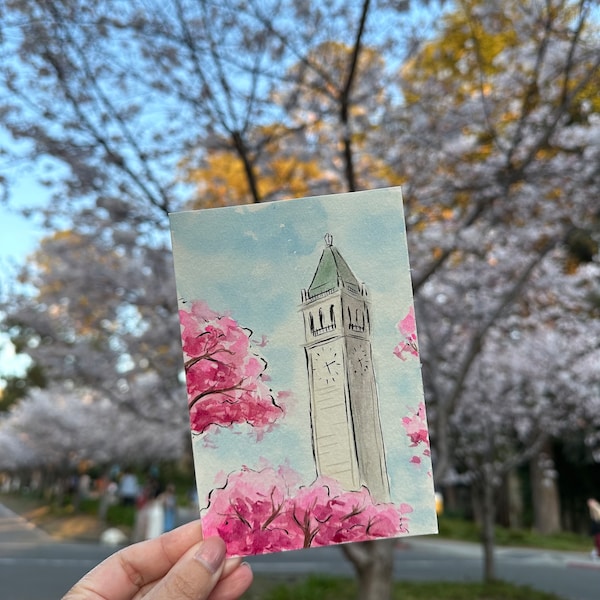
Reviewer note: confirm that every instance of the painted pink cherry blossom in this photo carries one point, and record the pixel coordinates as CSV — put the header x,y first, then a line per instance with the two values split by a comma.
x,y
326,513
408,330
415,426
225,375
268,510
249,513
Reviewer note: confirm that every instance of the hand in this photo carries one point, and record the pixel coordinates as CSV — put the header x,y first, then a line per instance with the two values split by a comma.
x,y
177,565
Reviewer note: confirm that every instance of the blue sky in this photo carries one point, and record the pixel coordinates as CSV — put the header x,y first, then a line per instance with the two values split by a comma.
x,y
252,262
18,238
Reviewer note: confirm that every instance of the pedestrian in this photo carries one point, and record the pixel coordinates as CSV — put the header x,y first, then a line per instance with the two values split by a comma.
x,y
108,491
155,523
169,499
140,520
594,508
128,488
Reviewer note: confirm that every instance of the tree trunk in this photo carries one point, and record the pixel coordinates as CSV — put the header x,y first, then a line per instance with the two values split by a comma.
x,y
514,500
249,169
374,563
488,521
544,491
345,101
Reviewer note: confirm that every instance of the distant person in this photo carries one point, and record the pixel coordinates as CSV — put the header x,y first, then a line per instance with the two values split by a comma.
x,y
128,489
84,485
142,504
169,500
149,519
178,565
140,519
155,514
594,508
108,491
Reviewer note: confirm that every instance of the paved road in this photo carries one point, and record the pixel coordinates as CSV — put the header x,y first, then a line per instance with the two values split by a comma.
x,y
35,567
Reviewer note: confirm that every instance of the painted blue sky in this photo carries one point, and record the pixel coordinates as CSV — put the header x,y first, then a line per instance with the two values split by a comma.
x,y
252,262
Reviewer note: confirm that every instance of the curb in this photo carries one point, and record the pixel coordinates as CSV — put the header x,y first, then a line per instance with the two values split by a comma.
x,y
581,564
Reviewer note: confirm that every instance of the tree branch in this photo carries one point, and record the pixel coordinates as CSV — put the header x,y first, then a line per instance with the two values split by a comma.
x,y
446,407
345,101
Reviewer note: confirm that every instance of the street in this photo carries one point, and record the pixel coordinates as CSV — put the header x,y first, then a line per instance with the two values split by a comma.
x,y
35,567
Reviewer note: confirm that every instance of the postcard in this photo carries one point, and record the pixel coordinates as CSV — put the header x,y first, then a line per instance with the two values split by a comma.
x,y
303,376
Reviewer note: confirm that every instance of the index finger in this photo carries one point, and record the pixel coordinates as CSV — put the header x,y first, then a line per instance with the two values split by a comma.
x,y
123,574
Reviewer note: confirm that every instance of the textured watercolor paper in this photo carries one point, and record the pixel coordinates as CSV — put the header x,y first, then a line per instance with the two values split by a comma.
x,y
303,375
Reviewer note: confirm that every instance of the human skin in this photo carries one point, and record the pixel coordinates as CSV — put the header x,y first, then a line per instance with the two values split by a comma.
x,y
178,565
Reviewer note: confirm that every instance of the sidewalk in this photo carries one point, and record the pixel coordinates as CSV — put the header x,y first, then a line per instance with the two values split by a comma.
x,y
18,530
74,527
433,544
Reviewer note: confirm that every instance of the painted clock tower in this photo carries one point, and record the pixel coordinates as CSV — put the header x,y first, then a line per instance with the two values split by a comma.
x,y
344,407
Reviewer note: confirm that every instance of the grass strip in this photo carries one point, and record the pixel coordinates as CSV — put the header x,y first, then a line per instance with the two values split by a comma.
x,y
333,588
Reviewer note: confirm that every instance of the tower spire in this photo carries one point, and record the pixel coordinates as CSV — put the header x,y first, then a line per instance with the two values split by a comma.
x,y
332,271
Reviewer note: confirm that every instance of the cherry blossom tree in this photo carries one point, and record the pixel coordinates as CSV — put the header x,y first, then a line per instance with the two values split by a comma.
x,y
493,133
98,312
210,76
56,429
498,181
15,454
269,510
498,152
97,317
225,374
533,381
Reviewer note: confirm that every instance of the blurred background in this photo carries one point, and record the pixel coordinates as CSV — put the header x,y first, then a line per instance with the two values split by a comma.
x,y
115,113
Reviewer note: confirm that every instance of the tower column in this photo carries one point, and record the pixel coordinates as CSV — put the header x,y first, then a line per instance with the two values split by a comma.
x,y
346,427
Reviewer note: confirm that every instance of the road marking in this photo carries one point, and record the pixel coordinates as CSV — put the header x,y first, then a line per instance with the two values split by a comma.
x,y
10,522
47,562
584,565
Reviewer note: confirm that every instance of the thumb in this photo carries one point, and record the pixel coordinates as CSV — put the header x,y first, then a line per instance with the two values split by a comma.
x,y
195,574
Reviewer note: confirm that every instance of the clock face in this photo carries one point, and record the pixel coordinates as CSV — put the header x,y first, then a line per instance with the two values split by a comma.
x,y
359,360
327,365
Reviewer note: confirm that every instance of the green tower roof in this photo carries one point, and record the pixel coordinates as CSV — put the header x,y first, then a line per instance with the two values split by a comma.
x,y
332,272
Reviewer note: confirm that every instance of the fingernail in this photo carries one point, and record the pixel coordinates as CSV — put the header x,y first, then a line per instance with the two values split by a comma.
x,y
211,553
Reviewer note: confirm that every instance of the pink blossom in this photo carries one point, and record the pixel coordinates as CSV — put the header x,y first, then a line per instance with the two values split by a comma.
x,y
226,379
268,510
407,328
415,426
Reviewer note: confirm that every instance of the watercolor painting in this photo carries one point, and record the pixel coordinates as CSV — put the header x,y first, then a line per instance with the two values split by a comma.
x,y
302,368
